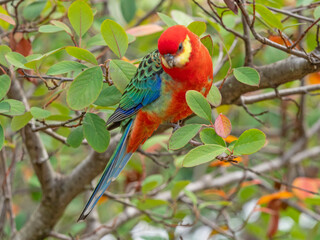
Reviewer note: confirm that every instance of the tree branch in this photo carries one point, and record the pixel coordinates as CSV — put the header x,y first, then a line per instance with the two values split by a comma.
x,y
36,150
271,76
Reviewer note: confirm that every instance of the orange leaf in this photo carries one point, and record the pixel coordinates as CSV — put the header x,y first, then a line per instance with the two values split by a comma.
x,y
278,195
144,30
222,126
252,182
279,40
230,138
103,199
313,78
216,192
310,184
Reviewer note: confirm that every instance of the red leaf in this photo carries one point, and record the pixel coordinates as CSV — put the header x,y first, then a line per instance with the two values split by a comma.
x,y
310,184
275,205
222,126
19,44
144,30
230,4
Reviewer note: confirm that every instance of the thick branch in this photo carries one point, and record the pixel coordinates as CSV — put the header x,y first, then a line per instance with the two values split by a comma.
x,y
271,76
36,150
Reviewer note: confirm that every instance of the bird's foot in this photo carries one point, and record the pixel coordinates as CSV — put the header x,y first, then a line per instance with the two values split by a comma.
x,y
176,126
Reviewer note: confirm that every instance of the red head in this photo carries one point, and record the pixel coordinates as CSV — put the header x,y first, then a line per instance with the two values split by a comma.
x,y
175,46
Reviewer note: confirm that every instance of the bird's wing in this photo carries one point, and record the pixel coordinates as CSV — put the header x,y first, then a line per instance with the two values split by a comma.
x,y
143,89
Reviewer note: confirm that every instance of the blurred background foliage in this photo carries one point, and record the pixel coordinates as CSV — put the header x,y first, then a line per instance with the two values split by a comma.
x,y
228,207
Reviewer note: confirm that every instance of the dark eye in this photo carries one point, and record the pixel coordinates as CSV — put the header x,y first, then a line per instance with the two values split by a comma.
x,y
180,47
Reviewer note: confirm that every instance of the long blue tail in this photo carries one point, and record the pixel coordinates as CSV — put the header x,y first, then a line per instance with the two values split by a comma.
x,y
117,162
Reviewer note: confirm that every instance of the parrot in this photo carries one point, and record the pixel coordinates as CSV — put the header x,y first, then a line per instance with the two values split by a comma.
x,y
156,94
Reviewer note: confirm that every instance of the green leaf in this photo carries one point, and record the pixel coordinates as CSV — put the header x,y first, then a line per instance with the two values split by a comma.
x,y
5,82
96,40
95,132
183,135
181,17
16,107
35,63
178,187
62,26
128,9
19,122
121,73
16,59
4,107
250,141
151,182
80,16
214,96
269,17
150,203
3,51
115,37
82,54
85,88
109,96
316,12
208,43
191,195
209,136
49,29
167,20
39,113
202,154
247,75
312,200
198,104
33,10
1,136
75,137
214,203
197,27
65,67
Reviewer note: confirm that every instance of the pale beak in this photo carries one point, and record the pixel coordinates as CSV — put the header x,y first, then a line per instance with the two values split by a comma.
x,y
168,60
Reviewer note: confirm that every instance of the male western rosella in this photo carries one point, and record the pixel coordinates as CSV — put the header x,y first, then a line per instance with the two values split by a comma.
x,y
156,94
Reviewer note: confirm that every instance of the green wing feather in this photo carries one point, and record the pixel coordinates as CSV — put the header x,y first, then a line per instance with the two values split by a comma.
x,y
143,89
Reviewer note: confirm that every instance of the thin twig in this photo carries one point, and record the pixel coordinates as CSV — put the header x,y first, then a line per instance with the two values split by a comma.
x,y
285,92
63,124
271,43
304,33
148,14
153,158
250,113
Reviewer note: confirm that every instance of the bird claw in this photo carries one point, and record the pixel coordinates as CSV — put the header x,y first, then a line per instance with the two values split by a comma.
x,y
176,126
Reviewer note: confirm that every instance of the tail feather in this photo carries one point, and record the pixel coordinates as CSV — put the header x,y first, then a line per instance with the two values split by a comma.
x,y
117,162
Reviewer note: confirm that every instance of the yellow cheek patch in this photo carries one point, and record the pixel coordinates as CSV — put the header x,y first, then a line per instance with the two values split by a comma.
x,y
184,56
